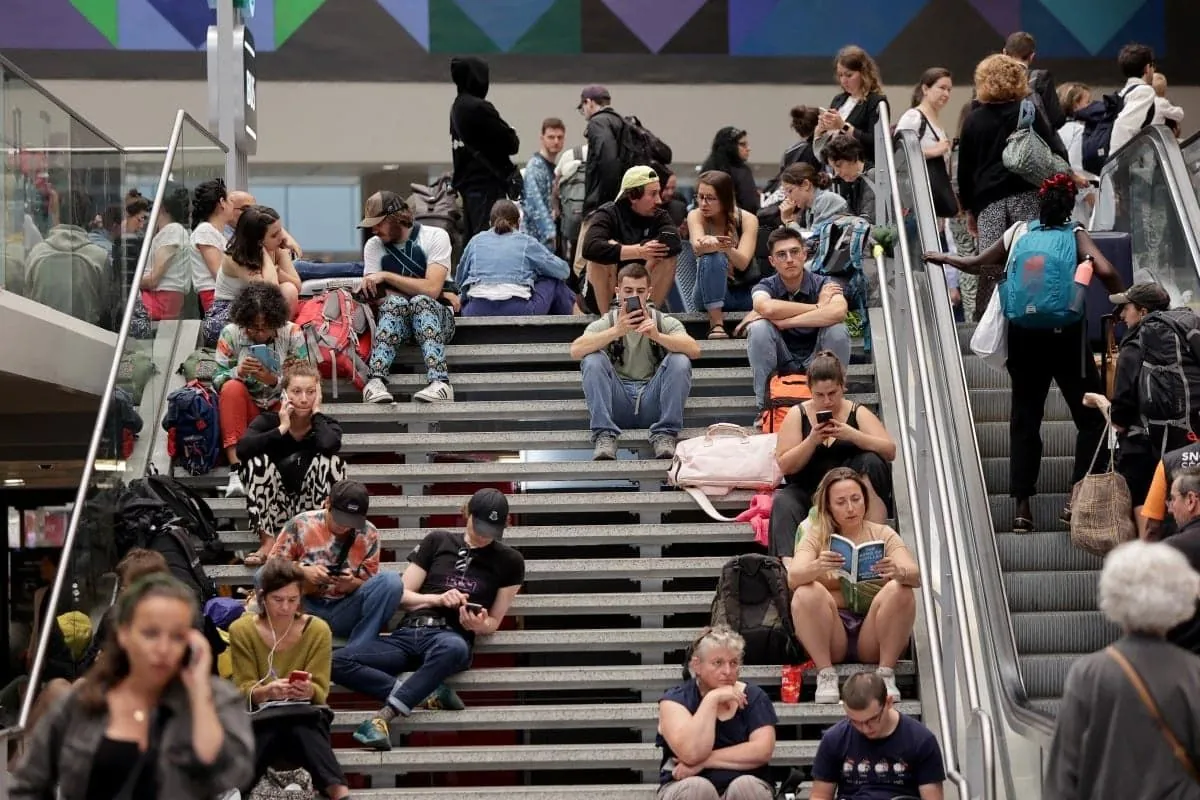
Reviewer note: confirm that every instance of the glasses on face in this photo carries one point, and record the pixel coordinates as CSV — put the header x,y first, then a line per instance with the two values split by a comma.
x,y
790,254
706,199
464,561
870,722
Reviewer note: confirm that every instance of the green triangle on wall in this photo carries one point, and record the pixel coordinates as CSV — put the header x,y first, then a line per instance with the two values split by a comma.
x,y
290,15
452,31
557,32
102,14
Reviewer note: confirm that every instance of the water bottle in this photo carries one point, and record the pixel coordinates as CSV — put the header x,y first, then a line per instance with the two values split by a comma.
x,y
1083,277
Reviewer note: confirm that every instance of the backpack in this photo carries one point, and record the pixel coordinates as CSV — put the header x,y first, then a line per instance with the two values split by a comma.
x,y
339,332
783,392
572,188
1038,289
638,147
1169,380
437,205
752,599
838,247
201,366
122,426
134,372
156,501
616,348
193,428
1098,118
177,547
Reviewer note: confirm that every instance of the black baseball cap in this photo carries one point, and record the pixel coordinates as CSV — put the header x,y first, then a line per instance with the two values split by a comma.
x,y
349,501
594,92
1150,296
488,510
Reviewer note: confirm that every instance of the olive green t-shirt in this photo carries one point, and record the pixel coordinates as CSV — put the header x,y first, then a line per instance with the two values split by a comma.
x,y
638,362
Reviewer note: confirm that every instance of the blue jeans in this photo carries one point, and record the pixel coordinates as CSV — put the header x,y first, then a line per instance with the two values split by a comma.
x,y
359,617
768,353
373,667
314,270
657,403
712,285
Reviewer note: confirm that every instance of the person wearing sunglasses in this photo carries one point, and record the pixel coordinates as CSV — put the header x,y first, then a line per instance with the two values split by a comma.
x,y
457,586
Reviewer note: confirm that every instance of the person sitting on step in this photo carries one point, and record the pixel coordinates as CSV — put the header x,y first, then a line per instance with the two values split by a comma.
x,y
289,458
338,552
405,271
876,751
717,733
252,351
456,587
505,272
821,434
796,314
268,650
723,237
838,620
637,368
173,258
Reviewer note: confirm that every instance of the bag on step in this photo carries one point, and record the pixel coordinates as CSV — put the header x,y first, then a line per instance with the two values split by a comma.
x,y
1038,289
437,205
725,458
201,366
175,544
339,331
156,501
752,599
193,428
134,372
783,392
1101,506
289,784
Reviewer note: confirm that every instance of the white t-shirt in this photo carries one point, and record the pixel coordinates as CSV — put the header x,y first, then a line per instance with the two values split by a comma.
x,y
846,107
434,241
913,120
206,234
178,276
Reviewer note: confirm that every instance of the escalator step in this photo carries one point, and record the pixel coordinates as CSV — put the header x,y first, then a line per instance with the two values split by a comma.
x,y
1054,475
1046,509
995,405
1071,632
1047,705
1045,676
1058,439
981,376
1049,551
1051,591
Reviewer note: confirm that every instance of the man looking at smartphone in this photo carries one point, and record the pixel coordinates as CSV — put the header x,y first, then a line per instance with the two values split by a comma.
x,y
457,586
632,229
637,368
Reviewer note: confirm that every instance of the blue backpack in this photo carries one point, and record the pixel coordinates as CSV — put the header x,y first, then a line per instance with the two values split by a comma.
x,y
838,247
1038,289
193,429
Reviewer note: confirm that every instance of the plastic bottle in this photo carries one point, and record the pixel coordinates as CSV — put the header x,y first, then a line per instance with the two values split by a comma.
x,y
1083,277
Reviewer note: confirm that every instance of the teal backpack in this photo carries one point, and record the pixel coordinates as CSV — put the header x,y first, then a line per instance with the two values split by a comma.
x,y
1038,289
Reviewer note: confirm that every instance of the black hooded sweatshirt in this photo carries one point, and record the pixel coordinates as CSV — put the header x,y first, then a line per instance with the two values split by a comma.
x,y
480,141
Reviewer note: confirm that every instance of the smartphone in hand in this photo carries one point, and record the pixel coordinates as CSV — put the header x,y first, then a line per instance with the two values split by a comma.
x,y
824,416
265,356
299,676
474,608
633,305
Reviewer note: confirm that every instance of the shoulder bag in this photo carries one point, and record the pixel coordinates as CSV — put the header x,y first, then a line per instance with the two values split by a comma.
x,y
1177,748
945,202
1026,155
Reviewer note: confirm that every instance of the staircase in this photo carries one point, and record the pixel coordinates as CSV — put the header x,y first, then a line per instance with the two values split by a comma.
x,y
1051,585
620,570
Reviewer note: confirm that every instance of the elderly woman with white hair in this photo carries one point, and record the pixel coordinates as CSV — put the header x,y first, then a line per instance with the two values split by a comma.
x,y
1129,726
717,733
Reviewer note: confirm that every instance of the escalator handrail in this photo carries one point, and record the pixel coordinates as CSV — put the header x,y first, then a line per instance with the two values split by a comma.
x,y
9,67
987,732
81,496
978,561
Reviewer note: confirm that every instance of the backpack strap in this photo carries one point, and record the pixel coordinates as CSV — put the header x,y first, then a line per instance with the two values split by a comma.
x,y
180,497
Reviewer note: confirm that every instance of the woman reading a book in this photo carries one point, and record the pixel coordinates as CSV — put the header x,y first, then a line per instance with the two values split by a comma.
x,y
853,583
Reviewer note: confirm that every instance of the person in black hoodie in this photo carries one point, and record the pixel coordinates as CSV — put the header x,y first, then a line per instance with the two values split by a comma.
x,y
481,143
729,153
289,458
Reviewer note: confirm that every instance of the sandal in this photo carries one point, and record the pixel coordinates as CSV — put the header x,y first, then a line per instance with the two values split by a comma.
x,y
255,559
1022,525
718,332
1065,516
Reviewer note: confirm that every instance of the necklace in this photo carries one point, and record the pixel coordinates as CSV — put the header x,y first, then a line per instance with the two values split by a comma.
x,y
139,715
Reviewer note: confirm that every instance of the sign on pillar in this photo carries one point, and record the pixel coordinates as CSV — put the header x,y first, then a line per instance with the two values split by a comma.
x,y
246,124
233,86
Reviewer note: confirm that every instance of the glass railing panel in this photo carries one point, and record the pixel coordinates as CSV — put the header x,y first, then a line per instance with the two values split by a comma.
x,y
1191,159
61,195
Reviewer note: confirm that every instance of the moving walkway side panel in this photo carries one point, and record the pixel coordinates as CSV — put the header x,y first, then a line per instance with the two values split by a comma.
x,y
46,345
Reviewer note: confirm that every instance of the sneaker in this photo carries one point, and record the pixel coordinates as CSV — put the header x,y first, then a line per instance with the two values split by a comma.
x,y
374,734
663,445
376,392
444,699
827,688
605,447
234,487
436,392
889,680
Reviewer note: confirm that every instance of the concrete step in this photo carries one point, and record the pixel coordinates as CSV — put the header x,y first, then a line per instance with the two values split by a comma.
x,y
1058,439
605,791
560,569
510,355
1046,508
599,715
637,439
995,405
557,502
563,328
532,757
523,536
1046,591
1054,474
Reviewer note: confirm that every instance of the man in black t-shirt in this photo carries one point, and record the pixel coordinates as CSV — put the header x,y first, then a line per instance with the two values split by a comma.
x,y
456,587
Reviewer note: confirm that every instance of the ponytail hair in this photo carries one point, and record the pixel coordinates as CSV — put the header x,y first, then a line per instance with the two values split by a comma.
x,y
506,217
796,174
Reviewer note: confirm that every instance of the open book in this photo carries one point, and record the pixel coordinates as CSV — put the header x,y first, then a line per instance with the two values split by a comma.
x,y
860,559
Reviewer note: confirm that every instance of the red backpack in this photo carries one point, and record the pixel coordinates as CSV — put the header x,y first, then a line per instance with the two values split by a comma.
x,y
339,331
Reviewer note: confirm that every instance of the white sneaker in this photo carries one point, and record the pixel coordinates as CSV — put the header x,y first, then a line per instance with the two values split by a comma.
x,y
234,488
376,392
827,687
436,392
889,680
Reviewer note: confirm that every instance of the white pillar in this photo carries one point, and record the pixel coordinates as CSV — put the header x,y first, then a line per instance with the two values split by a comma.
x,y
232,87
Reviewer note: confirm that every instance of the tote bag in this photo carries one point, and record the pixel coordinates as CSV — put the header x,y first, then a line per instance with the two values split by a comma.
x,y
1101,506
990,340
1026,154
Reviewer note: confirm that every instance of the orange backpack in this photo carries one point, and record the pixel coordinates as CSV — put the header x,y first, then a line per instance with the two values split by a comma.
x,y
783,392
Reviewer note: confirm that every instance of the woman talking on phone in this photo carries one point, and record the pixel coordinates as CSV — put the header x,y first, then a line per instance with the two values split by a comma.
x,y
252,350
289,458
149,720
282,655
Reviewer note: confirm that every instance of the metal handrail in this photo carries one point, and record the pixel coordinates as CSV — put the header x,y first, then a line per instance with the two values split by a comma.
x,y
9,67
947,509
101,426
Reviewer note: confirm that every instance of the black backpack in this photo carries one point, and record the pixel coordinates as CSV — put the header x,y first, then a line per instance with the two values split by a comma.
x,y
752,599
1098,118
155,501
1169,380
641,148
175,544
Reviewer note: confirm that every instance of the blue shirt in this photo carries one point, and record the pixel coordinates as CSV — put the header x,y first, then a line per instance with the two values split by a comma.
x,y
538,220
758,713
800,341
879,769
492,258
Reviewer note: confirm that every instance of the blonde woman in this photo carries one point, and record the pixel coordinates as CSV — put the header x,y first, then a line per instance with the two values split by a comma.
x,y
836,620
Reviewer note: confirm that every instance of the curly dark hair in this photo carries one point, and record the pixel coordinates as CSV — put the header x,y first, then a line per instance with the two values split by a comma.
x,y
246,246
1056,200
842,147
724,154
207,197
259,300
177,202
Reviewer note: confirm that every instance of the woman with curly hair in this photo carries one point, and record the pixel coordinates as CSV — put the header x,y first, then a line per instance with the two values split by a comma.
x,y
168,274
994,198
252,351
1037,356
729,154
854,110
211,214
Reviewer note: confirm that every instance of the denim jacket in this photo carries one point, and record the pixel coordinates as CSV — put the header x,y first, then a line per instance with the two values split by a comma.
x,y
516,257
61,750
538,221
